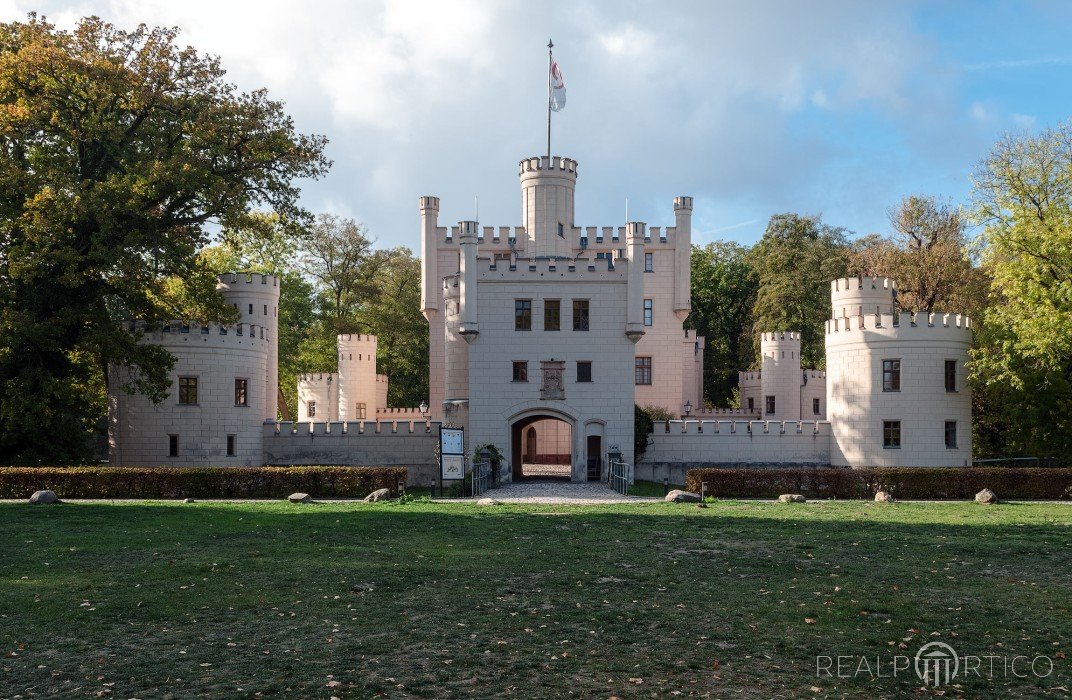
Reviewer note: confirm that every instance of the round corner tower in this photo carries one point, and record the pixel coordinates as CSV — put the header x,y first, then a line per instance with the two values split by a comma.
x,y
256,297
896,386
548,185
357,376
780,375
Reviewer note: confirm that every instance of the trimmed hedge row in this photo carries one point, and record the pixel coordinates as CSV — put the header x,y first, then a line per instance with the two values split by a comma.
x,y
199,482
905,483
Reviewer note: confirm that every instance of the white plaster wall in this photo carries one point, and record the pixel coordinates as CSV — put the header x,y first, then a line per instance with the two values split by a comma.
x,y
814,388
357,375
257,299
781,377
139,429
323,389
740,442
857,405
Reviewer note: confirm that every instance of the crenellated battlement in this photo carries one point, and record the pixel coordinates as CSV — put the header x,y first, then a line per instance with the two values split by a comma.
x,y
355,338
900,323
382,379
428,203
353,428
814,374
236,279
211,333
781,337
854,284
859,295
683,203
734,412
318,378
537,164
550,268
737,427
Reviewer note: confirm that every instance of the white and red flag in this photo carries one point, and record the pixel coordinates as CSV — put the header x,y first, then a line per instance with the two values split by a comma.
x,y
558,88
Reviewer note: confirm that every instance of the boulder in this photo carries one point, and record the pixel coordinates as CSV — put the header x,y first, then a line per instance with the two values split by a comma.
x,y
299,498
883,497
188,500
679,496
792,498
43,498
986,497
487,502
378,495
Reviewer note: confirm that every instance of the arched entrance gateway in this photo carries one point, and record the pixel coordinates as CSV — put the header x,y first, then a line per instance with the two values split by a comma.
x,y
541,447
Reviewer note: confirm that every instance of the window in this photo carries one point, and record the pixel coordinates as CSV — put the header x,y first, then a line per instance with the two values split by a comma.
x,y
891,434
649,262
188,390
770,404
241,396
951,435
231,445
561,230
584,371
173,445
265,309
751,403
580,314
643,370
647,312
552,314
360,412
950,375
815,406
521,371
312,409
522,314
891,375
251,309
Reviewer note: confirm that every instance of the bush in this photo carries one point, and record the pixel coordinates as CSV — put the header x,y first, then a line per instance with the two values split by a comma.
x,y
904,483
200,482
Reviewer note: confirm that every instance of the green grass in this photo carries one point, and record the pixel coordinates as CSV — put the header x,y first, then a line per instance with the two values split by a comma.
x,y
163,599
651,489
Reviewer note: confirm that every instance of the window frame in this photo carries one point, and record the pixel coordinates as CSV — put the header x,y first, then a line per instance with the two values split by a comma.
x,y
892,436
816,406
361,411
522,314
752,403
588,365
310,409
948,445
649,312
892,382
582,311
770,404
557,303
643,369
232,445
173,445
519,371
241,389
951,376
186,385
649,262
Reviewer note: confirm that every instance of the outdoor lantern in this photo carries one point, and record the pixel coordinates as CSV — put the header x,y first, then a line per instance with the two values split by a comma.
x,y
688,407
424,408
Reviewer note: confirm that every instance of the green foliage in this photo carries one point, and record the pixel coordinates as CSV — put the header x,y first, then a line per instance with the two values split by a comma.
x,y
117,149
794,263
200,482
641,429
724,288
907,482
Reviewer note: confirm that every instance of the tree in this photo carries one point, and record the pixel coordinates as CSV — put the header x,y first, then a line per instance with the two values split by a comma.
x,y
794,263
338,256
1023,200
927,255
723,292
117,149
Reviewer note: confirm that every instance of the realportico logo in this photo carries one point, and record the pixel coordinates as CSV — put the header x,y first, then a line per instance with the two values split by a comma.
x,y
936,664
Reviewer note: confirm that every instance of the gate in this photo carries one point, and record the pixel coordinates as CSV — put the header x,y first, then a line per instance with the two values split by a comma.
x,y
621,475
480,477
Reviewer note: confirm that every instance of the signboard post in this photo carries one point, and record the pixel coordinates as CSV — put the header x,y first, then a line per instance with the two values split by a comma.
x,y
451,455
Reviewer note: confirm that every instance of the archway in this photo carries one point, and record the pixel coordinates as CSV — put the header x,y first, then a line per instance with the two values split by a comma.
x,y
542,447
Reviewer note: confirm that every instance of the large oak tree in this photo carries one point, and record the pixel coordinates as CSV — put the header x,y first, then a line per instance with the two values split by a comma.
x,y
117,149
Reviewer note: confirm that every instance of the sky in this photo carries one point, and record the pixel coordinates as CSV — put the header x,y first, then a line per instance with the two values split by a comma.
x,y
837,108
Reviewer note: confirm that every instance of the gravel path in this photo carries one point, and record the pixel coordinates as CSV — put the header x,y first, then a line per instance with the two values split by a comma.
x,y
560,492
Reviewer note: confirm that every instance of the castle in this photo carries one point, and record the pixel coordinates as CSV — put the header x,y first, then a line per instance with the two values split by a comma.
x,y
542,338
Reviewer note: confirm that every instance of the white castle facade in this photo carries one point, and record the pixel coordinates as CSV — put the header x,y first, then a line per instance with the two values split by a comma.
x,y
543,336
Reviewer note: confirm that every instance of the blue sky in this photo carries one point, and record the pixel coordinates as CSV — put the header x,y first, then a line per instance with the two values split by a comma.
x,y
754,108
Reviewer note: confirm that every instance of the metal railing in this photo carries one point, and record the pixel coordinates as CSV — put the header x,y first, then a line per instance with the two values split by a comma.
x,y
480,477
621,475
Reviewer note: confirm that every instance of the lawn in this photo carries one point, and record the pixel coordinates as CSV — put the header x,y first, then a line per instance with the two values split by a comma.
x,y
164,599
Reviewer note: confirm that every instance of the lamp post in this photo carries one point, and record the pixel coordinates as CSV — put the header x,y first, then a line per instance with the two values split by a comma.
x,y
688,408
424,408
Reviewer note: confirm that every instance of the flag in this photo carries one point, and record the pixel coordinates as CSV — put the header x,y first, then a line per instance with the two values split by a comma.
x,y
558,88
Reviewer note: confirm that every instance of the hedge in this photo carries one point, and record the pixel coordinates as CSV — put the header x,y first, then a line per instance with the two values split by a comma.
x,y
199,482
906,483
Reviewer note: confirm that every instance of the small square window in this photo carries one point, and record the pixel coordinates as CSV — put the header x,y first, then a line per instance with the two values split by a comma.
x,y
523,314
950,375
643,371
770,404
231,445
580,314
584,371
815,406
311,409
648,309
360,411
891,375
173,446
241,393
649,262
521,371
891,434
951,435
552,314
188,390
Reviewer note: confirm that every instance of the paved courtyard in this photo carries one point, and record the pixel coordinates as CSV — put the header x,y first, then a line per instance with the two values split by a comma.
x,y
559,492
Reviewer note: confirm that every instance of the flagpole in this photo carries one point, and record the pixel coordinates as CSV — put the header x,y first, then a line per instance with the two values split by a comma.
x,y
550,45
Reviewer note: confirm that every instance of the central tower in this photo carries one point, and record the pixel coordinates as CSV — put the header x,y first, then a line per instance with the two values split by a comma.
x,y
547,189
